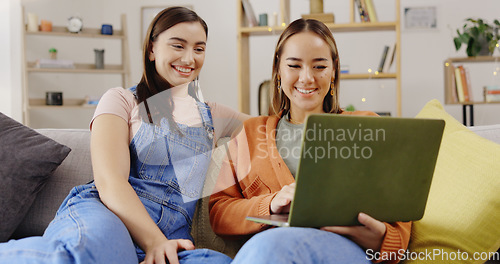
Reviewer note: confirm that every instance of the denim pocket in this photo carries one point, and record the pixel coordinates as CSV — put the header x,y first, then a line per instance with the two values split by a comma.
x,y
189,160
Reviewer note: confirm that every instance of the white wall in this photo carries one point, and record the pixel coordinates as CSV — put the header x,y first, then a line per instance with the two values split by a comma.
x,y
423,52
10,72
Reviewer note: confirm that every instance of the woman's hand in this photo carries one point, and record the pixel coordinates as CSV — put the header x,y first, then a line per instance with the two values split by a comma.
x,y
167,249
369,236
280,204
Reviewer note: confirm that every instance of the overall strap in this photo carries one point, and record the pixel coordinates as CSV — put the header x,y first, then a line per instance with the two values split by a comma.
x,y
206,118
133,89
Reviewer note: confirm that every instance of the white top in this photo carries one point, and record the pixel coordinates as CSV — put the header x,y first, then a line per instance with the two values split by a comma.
x,y
121,102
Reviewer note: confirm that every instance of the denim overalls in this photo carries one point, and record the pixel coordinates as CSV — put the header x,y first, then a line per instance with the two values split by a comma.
x,y
167,171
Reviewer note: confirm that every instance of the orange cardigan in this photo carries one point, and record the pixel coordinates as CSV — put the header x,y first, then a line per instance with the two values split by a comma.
x,y
251,175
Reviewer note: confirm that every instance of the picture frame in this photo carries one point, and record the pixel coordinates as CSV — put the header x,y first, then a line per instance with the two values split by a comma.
x,y
420,18
147,15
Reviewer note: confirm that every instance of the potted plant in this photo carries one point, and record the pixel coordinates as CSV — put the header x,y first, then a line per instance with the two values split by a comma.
x,y
481,38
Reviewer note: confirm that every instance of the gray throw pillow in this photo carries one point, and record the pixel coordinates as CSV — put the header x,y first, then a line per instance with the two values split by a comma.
x,y
27,159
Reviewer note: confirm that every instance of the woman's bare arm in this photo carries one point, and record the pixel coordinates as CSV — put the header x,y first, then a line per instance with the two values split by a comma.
x,y
111,166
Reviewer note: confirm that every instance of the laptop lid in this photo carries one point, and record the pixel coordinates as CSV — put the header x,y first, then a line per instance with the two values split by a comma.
x,y
382,166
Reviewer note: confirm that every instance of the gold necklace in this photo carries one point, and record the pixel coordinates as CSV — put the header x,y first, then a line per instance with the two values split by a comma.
x,y
292,121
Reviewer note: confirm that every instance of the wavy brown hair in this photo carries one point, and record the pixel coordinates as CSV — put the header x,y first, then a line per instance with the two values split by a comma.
x,y
280,101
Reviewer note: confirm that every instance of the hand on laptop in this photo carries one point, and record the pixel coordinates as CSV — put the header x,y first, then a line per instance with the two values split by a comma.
x,y
369,235
281,202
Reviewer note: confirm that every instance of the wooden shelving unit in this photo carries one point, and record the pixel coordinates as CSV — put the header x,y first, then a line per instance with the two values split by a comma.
x,y
123,69
244,34
467,116
448,75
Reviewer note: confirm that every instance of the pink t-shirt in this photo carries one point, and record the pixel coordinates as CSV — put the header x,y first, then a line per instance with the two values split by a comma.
x,y
121,102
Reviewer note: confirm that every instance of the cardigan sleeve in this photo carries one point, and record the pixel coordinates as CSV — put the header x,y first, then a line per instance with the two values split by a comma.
x,y
396,239
228,205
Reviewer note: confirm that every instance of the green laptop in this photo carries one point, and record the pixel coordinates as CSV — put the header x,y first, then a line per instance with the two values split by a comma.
x,y
382,166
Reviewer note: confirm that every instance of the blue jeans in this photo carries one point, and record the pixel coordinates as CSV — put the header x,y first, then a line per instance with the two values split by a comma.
x,y
299,245
84,231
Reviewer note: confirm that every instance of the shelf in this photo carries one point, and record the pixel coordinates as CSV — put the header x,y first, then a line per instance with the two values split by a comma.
x,y
35,103
349,27
245,33
474,59
85,33
30,68
449,75
473,103
354,76
79,68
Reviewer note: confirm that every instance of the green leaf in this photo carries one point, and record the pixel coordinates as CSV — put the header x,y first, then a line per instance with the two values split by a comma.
x,y
458,43
474,31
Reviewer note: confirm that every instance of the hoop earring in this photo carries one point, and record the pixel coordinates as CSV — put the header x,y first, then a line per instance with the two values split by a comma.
x,y
197,89
279,84
331,89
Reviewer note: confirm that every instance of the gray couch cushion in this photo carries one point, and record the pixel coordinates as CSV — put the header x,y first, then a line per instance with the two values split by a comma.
x,y
27,158
491,132
75,170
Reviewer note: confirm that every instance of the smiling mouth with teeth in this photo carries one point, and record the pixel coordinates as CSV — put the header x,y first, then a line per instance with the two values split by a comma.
x,y
304,91
183,69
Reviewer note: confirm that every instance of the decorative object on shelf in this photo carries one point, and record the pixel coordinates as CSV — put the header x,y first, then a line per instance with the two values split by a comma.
x,y
53,53
480,37
274,20
53,98
350,108
107,29
492,93
45,25
316,12
344,68
91,101
99,58
263,20
55,64
75,24
285,12
32,22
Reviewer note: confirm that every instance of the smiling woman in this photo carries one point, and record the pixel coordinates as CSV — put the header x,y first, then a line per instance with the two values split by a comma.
x,y
256,181
144,143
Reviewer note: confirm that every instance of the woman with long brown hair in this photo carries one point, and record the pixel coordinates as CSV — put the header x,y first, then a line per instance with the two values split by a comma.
x,y
258,176
150,147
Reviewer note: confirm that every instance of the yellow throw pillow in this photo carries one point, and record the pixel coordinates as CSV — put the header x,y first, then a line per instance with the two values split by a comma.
x,y
461,223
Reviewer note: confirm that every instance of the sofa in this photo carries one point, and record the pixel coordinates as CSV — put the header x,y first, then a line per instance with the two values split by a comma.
x,y
76,169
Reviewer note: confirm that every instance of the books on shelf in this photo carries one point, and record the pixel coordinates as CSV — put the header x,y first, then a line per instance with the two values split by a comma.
x,y
492,93
462,84
382,59
370,9
366,10
389,61
363,14
249,13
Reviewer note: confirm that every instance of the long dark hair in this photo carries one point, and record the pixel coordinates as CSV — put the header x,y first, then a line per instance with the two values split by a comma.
x,y
280,101
151,82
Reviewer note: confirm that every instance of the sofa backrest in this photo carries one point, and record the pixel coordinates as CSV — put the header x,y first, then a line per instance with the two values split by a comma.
x,y
491,132
75,170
